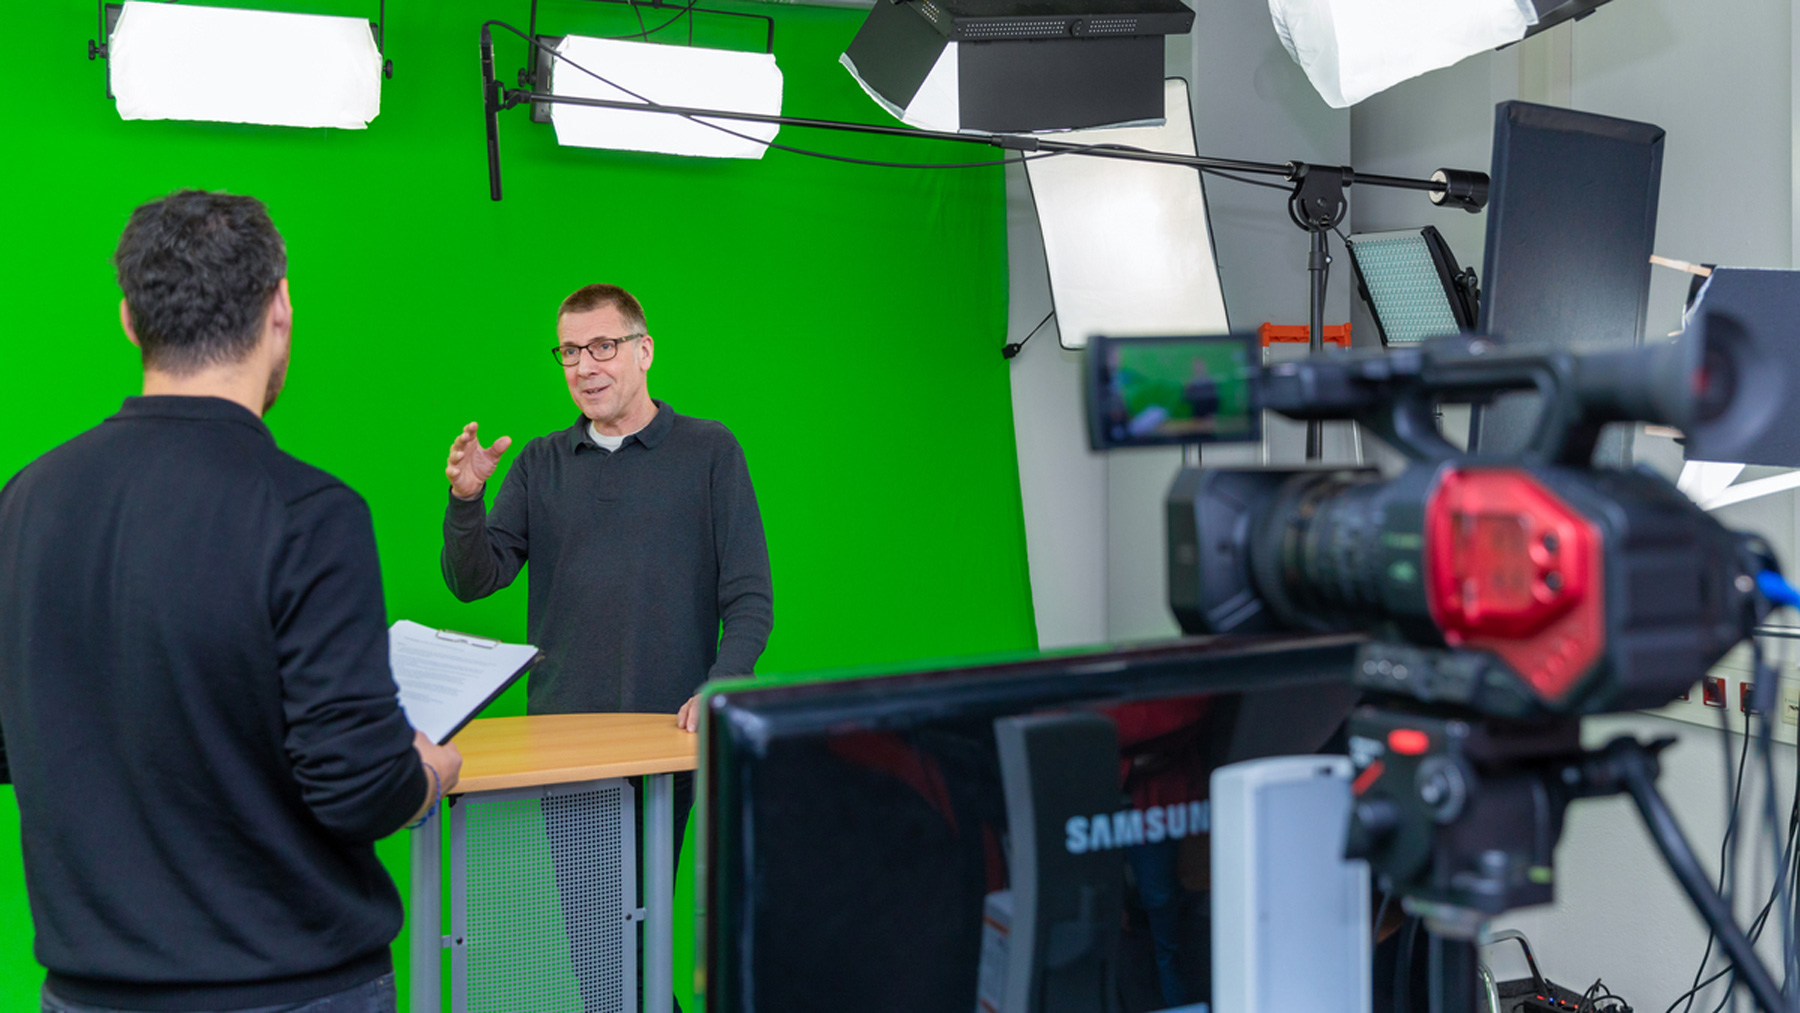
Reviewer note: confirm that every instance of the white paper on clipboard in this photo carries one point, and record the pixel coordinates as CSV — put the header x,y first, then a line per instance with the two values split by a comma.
x,y
446,678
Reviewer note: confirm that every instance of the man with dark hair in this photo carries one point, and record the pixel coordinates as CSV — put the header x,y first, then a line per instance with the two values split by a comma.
x,y
195,700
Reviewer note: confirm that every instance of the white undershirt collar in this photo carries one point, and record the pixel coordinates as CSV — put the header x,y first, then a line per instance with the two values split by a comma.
x,y
609,443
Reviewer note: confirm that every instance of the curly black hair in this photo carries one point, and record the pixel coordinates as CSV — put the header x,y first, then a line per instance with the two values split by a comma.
x,y
198,270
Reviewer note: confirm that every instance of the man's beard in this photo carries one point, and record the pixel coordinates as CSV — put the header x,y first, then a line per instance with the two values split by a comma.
x,y
277,377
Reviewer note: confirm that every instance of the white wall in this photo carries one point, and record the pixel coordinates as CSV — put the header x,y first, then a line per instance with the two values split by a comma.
x,y
1717,77
1061,481
1094,523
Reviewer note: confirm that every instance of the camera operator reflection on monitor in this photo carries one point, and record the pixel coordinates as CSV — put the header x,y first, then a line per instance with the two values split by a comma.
x,y
1163,764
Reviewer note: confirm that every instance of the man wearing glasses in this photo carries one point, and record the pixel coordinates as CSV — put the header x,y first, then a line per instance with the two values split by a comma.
x,y
650,570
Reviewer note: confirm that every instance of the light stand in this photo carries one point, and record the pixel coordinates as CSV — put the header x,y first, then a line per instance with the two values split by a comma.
x,y
1316,204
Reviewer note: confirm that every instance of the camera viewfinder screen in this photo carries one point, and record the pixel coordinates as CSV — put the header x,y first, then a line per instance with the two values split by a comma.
x,y
1149,391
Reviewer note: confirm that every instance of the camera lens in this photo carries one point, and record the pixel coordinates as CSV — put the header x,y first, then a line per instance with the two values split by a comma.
x,y
1316,557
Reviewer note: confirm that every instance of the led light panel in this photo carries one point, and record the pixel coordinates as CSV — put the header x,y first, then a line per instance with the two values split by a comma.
x,y
1404,287
183,62
667,75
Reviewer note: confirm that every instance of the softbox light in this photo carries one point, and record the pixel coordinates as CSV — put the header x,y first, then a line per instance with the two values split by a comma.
x,y
667,75
1016,66
1351,49
1127,243
183,62
1412,284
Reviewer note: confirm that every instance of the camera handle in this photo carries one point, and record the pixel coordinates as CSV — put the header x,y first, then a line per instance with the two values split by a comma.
x,y
1396,394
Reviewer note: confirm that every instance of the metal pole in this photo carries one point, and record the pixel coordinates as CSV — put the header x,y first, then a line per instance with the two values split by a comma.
x,y
1015,142
1316,264
1455,980
659,881
425,934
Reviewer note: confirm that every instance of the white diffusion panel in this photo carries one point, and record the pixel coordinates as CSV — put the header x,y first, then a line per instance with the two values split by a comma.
x,y
667,75
184,62
1351,49
937,105
1127,243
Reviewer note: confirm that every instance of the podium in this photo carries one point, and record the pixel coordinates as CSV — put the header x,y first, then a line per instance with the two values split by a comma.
x,y
531,789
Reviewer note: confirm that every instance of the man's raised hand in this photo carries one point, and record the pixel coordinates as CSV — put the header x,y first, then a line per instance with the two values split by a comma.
x,y
470,464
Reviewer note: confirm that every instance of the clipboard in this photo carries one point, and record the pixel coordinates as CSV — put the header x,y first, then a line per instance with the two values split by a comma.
x,y
446,677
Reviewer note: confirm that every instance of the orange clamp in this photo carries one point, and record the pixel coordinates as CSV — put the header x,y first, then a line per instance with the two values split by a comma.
x,y
1335,334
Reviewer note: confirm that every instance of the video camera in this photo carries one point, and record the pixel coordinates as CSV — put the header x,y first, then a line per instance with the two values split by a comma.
x,y
1562,588
1503,597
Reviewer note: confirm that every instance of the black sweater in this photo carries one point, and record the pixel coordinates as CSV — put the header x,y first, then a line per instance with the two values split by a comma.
x,y
649,570
198,715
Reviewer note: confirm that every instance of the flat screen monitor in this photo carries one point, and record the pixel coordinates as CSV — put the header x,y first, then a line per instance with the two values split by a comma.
x,y
1570,229
1172,390
1030,835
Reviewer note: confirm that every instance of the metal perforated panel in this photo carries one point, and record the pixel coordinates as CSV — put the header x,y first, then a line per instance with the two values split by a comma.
x,y
544,900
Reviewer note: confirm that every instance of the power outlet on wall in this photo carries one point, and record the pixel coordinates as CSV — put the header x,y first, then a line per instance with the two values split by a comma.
x,y
1729,687
1712,692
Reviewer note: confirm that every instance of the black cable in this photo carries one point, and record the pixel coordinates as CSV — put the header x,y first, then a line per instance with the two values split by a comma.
x,y
653,106
1725,855
1783,887
1735,791
1403,962
1325,277
1633,764
645,33
1013,348
1590,1003
1766,700
1730,990
1791,869
1222,174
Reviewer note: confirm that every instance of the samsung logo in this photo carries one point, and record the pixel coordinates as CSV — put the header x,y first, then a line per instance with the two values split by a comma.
x,y
1130,827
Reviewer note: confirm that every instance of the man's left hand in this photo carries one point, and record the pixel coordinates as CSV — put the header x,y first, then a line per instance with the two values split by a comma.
x,y
688,717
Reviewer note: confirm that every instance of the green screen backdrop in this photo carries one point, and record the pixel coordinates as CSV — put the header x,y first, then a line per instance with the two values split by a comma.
x,y
844,321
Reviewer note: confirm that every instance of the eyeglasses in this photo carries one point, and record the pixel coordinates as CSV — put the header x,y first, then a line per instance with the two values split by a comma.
x,y
601,349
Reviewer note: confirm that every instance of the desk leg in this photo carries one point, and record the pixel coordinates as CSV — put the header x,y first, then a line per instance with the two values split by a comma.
x,y
659,881
425,936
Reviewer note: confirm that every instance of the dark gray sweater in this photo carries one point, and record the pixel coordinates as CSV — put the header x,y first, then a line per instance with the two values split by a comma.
x,y
649,568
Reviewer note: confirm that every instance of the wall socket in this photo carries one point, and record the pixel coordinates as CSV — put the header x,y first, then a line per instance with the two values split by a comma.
x,y
1736,678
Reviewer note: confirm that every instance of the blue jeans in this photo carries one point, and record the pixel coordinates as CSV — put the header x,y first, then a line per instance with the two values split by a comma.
x,y
1159,890
376,996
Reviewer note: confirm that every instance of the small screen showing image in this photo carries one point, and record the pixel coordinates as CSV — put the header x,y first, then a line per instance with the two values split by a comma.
x,y
1148,391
